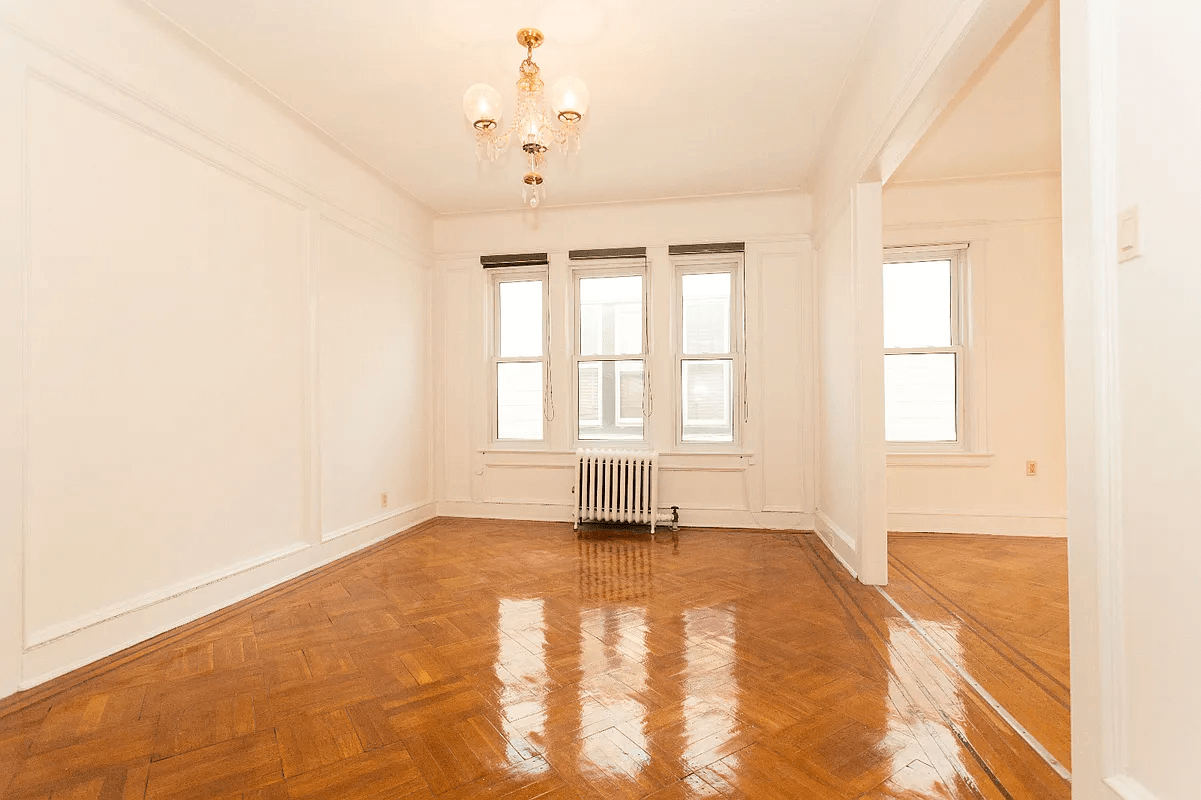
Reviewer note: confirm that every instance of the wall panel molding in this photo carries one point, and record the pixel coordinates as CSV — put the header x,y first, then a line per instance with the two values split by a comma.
x,y
54,633
115,633
93,83
47,651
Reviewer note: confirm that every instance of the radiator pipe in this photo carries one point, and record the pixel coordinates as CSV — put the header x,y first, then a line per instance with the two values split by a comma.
x,y
673,517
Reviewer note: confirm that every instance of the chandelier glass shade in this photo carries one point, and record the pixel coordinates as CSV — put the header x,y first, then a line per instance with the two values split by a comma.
x,y
535,127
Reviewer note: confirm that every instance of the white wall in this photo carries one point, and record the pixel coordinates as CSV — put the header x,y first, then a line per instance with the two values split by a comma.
x,y
1132,337
1012,226
215,352
915,58
767,482
850,514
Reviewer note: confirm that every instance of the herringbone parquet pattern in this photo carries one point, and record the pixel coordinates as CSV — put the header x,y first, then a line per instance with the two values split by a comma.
x,y
512,660
999,604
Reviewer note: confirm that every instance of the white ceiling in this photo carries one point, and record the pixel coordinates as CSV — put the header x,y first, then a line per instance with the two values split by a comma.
x,y
689,97
1006,120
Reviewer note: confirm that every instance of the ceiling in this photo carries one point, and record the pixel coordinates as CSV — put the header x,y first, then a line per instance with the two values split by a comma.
x,y
689,97
1006,120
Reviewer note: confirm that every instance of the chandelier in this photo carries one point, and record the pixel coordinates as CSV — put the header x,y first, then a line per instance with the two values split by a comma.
x,y
531,125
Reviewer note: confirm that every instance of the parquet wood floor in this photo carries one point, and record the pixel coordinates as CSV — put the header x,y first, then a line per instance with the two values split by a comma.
x,y
999,605
475,658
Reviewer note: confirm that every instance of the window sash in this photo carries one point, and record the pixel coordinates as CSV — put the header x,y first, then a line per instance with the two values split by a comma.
x,y
709,264
617,268
518,275
957,255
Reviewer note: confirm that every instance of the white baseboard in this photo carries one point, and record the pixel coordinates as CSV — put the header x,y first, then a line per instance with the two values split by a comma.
x,y
145,617
1129,789
689,517
838,541
994,524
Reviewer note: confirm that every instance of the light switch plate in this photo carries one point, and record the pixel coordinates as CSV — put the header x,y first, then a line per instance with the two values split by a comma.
x,y
1130,244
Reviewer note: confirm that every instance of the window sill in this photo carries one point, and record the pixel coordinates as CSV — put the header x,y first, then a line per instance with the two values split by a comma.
x,y
939,459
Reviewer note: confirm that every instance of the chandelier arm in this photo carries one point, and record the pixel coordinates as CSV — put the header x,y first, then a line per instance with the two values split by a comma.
x,y
534,124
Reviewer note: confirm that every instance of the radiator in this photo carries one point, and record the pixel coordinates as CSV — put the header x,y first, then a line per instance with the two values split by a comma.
x,y
617,486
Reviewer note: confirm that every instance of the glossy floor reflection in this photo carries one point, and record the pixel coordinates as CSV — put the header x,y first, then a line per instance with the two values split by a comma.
x,y
999,605
515,660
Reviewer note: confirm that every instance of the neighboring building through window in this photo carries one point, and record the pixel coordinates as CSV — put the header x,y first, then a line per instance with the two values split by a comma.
x,y
610,358
709,347
519,357
924,338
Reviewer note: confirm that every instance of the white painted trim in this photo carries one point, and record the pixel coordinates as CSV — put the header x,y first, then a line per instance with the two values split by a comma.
x,y
992,524
414,249
838,541
376,520
1128,788
940,459
52,633
690,516
239,583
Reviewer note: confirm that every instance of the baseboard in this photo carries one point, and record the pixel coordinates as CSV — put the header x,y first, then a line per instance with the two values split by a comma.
x,y
994,524
103,637
689,517
1129,789
838,542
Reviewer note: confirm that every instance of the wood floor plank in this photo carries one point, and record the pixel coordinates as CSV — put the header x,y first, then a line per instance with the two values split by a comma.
x,y
998,607
480,658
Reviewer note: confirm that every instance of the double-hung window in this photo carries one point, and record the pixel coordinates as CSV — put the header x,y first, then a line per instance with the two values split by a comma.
x,y
708,347
519,355
924,361
610,354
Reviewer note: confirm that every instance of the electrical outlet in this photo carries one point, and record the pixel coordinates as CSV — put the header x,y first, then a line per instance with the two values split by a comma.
x,y
383,499
1031,469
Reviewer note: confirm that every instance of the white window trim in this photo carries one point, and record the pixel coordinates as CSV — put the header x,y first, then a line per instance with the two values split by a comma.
x,y
969,392
516,275
701,265
615,268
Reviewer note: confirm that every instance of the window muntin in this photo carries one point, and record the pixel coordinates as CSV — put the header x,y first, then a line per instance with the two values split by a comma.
x,y
519,356
924,352
708,348
611,354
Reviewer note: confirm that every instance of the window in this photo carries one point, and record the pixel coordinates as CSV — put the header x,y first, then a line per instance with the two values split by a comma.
x,y
708,352
924,348
610,358
519,355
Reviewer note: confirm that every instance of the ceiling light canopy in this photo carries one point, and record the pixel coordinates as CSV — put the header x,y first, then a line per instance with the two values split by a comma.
x,y
532,124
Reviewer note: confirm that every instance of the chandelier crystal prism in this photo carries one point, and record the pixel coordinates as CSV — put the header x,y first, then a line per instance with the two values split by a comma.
x,y
533,125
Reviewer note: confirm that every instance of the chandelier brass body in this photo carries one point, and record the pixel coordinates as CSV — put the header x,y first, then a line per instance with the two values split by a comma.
x,y
533,126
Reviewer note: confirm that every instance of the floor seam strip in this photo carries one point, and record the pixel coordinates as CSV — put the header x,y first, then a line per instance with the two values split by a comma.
x,y
1010,720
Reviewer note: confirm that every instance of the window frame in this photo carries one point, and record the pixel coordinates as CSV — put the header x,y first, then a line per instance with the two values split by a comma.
x,y
957,254
706,264
518,275
615,268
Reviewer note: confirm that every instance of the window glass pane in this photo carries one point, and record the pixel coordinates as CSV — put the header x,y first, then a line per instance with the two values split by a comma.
x,y
629,393
706,312
610,400
520,319
590,397
708,400
919,397
611,316
519,400
917,304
